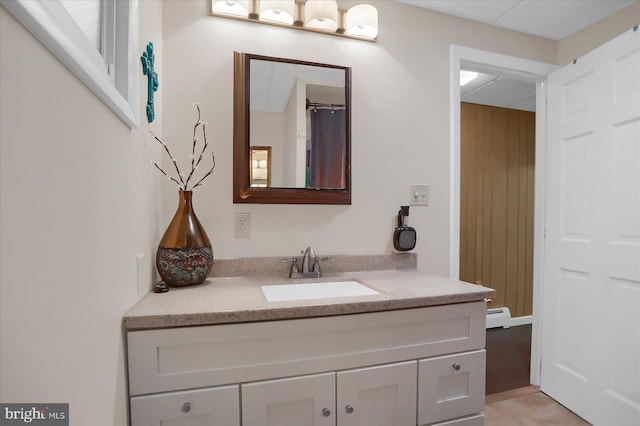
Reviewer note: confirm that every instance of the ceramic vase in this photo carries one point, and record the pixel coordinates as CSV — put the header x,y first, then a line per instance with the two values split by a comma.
x,y
184,254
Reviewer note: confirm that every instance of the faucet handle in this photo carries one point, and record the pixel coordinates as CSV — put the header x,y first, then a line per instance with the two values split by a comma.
x,y
294,264
316,264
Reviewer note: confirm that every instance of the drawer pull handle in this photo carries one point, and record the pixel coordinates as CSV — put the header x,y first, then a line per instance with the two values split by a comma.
x,y
186,407
456,366
326,412
348,409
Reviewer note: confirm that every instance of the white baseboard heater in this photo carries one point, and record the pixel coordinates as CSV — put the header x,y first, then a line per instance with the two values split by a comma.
x,y
498,317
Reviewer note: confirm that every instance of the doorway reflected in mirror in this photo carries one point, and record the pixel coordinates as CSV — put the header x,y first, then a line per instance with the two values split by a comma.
x,y
260,166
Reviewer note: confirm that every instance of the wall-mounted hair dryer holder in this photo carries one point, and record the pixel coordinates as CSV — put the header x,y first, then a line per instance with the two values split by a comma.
x,y
404,237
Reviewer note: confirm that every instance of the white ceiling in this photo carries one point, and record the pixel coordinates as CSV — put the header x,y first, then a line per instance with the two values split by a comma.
x,y
499,90
552,19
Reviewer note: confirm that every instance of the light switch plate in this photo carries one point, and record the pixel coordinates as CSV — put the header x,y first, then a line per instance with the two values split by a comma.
x,y
419,195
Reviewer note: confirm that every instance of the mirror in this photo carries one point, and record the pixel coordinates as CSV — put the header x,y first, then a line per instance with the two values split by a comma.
x,y
292,131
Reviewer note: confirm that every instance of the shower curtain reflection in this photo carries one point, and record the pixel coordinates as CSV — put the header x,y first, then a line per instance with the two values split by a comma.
x,y
327,156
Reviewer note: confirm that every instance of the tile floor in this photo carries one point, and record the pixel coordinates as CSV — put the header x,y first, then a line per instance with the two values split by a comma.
x,y
527,407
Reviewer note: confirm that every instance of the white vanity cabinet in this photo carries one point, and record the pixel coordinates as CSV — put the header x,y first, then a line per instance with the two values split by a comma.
x,y
402,367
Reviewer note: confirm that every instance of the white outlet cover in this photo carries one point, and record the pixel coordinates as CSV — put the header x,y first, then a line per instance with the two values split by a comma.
x,y
242,225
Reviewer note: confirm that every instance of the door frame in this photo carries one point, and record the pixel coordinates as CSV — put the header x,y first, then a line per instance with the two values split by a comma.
x,y
535,71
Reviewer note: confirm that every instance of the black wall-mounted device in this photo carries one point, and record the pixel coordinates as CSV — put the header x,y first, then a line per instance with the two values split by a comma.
x,y
404,237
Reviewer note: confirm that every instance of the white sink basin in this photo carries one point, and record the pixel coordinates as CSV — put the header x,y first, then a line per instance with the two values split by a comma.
x,y
286,292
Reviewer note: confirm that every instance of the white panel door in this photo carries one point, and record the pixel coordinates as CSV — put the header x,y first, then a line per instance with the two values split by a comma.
x,y
299,401
378,396
218,406
591,284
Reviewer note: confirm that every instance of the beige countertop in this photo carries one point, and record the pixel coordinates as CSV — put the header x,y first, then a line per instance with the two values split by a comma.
x,y
223,300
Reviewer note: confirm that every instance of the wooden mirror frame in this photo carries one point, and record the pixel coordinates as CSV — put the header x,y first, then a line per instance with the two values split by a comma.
x,y
242,191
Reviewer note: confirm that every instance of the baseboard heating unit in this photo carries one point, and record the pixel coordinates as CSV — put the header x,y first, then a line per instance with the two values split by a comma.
x,y
498,317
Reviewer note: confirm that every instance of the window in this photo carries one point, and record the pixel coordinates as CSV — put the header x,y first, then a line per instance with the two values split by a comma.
x,y
96,39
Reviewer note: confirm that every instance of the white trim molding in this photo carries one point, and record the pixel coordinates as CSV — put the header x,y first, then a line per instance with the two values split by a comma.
x,y
532,71
516,321
50,23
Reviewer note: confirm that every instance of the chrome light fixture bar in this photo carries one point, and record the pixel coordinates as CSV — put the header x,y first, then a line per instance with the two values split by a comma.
x,y
319,16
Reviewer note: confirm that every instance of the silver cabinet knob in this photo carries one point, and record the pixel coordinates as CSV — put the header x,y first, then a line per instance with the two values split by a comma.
x,y
348,409
186,407
456,366
326,412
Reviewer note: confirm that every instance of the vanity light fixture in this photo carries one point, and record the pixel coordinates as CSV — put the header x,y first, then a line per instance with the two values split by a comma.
x,y
282,11
361,21
320,16
236,8
467,76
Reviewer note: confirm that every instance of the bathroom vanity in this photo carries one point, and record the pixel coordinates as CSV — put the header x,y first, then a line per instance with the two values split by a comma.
x,y
221,354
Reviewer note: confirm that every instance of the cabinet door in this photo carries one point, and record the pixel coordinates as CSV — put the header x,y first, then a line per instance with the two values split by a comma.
x,y
206,407
450,386
378,396
299,401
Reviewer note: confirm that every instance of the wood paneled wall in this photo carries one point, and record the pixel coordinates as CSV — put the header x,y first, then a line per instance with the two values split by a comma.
x,y
496,203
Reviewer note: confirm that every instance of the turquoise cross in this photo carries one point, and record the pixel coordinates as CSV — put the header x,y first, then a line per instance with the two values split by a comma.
x,y
148,59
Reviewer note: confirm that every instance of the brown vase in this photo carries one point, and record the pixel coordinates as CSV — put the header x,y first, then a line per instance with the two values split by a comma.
x,y
184,254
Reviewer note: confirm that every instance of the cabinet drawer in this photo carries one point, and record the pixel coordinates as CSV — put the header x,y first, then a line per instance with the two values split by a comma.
x,y
183,358
450,386
204,407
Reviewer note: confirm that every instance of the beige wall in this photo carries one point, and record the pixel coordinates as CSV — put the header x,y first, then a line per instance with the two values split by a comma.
x,y
400,124
587,39
78,202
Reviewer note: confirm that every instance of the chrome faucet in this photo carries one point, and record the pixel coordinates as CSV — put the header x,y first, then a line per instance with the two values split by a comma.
x,y
308,257
310,265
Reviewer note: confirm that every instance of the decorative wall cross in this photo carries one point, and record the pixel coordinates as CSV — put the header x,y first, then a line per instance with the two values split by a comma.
x,y
148,59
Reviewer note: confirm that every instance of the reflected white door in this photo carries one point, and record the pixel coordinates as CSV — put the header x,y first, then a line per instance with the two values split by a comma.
x,y
591,284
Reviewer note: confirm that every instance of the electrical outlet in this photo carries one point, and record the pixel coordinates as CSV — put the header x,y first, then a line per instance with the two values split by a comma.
x,y
243,225
419,195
